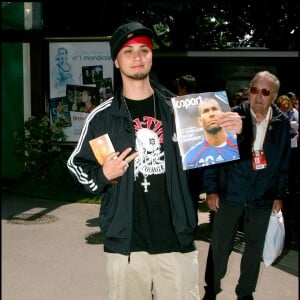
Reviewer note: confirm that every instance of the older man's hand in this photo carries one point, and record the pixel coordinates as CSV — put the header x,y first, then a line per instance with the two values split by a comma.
x,y
231,121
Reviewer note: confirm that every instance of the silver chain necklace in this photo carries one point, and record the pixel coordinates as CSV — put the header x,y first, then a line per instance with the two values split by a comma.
x,y
154,106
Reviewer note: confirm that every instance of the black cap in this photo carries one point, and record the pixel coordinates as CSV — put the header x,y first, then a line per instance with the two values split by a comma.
x,y
125,33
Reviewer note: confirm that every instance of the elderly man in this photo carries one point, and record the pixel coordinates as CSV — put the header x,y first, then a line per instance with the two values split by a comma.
x,y
249,188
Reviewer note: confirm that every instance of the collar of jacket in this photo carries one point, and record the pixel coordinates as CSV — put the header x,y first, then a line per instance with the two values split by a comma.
x,y
277,114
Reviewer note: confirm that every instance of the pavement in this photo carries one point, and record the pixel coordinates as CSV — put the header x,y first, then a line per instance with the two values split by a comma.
x,y
53,251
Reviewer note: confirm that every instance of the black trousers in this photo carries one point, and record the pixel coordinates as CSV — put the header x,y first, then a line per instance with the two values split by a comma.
x,y
226,222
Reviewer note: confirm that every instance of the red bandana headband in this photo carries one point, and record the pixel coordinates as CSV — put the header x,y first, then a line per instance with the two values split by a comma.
x,y
140,40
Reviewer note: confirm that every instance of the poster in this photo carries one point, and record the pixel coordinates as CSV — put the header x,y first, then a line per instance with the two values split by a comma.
x,y
60,112
202,142
73,68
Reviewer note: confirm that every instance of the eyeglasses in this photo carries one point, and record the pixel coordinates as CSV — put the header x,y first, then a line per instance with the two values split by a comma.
x,y
265,92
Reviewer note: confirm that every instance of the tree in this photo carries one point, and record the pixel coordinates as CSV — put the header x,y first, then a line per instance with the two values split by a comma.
x,y
181,24
218,25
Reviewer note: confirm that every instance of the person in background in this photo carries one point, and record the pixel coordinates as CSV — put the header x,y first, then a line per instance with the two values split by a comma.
x,y
186,84
285,104
240,96
248,189
295,104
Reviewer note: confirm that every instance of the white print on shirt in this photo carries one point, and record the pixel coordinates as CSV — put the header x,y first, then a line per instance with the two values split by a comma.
x,y
149,135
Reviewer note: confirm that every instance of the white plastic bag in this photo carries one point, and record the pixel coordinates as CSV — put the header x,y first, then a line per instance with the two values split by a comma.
x,y
274,241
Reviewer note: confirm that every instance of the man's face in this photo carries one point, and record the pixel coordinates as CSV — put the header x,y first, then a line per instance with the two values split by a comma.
x,y
261,95
134,61
209,111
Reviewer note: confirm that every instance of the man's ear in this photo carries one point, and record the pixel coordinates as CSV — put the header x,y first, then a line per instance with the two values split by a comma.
x,y
116,64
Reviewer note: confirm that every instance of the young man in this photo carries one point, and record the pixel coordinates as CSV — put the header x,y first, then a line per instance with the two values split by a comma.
x,y
218,145
147,216
251,187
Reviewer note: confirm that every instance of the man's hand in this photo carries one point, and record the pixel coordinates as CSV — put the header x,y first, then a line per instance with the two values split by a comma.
x,y
212,201
277,205
231,121
116,164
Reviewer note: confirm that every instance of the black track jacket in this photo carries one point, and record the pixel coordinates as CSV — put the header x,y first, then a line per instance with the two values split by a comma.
x,y
115,220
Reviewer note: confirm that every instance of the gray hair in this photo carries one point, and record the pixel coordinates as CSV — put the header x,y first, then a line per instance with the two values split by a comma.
x,y
269,76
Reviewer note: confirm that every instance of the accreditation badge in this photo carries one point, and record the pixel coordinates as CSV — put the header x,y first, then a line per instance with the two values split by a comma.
x,y
258,160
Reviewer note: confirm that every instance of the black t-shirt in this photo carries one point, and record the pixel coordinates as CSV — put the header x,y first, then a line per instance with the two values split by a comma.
x,y
153,229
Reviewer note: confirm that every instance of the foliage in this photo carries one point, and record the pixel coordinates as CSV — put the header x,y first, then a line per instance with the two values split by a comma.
x,y
40,146
219,25
37,144
188,24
